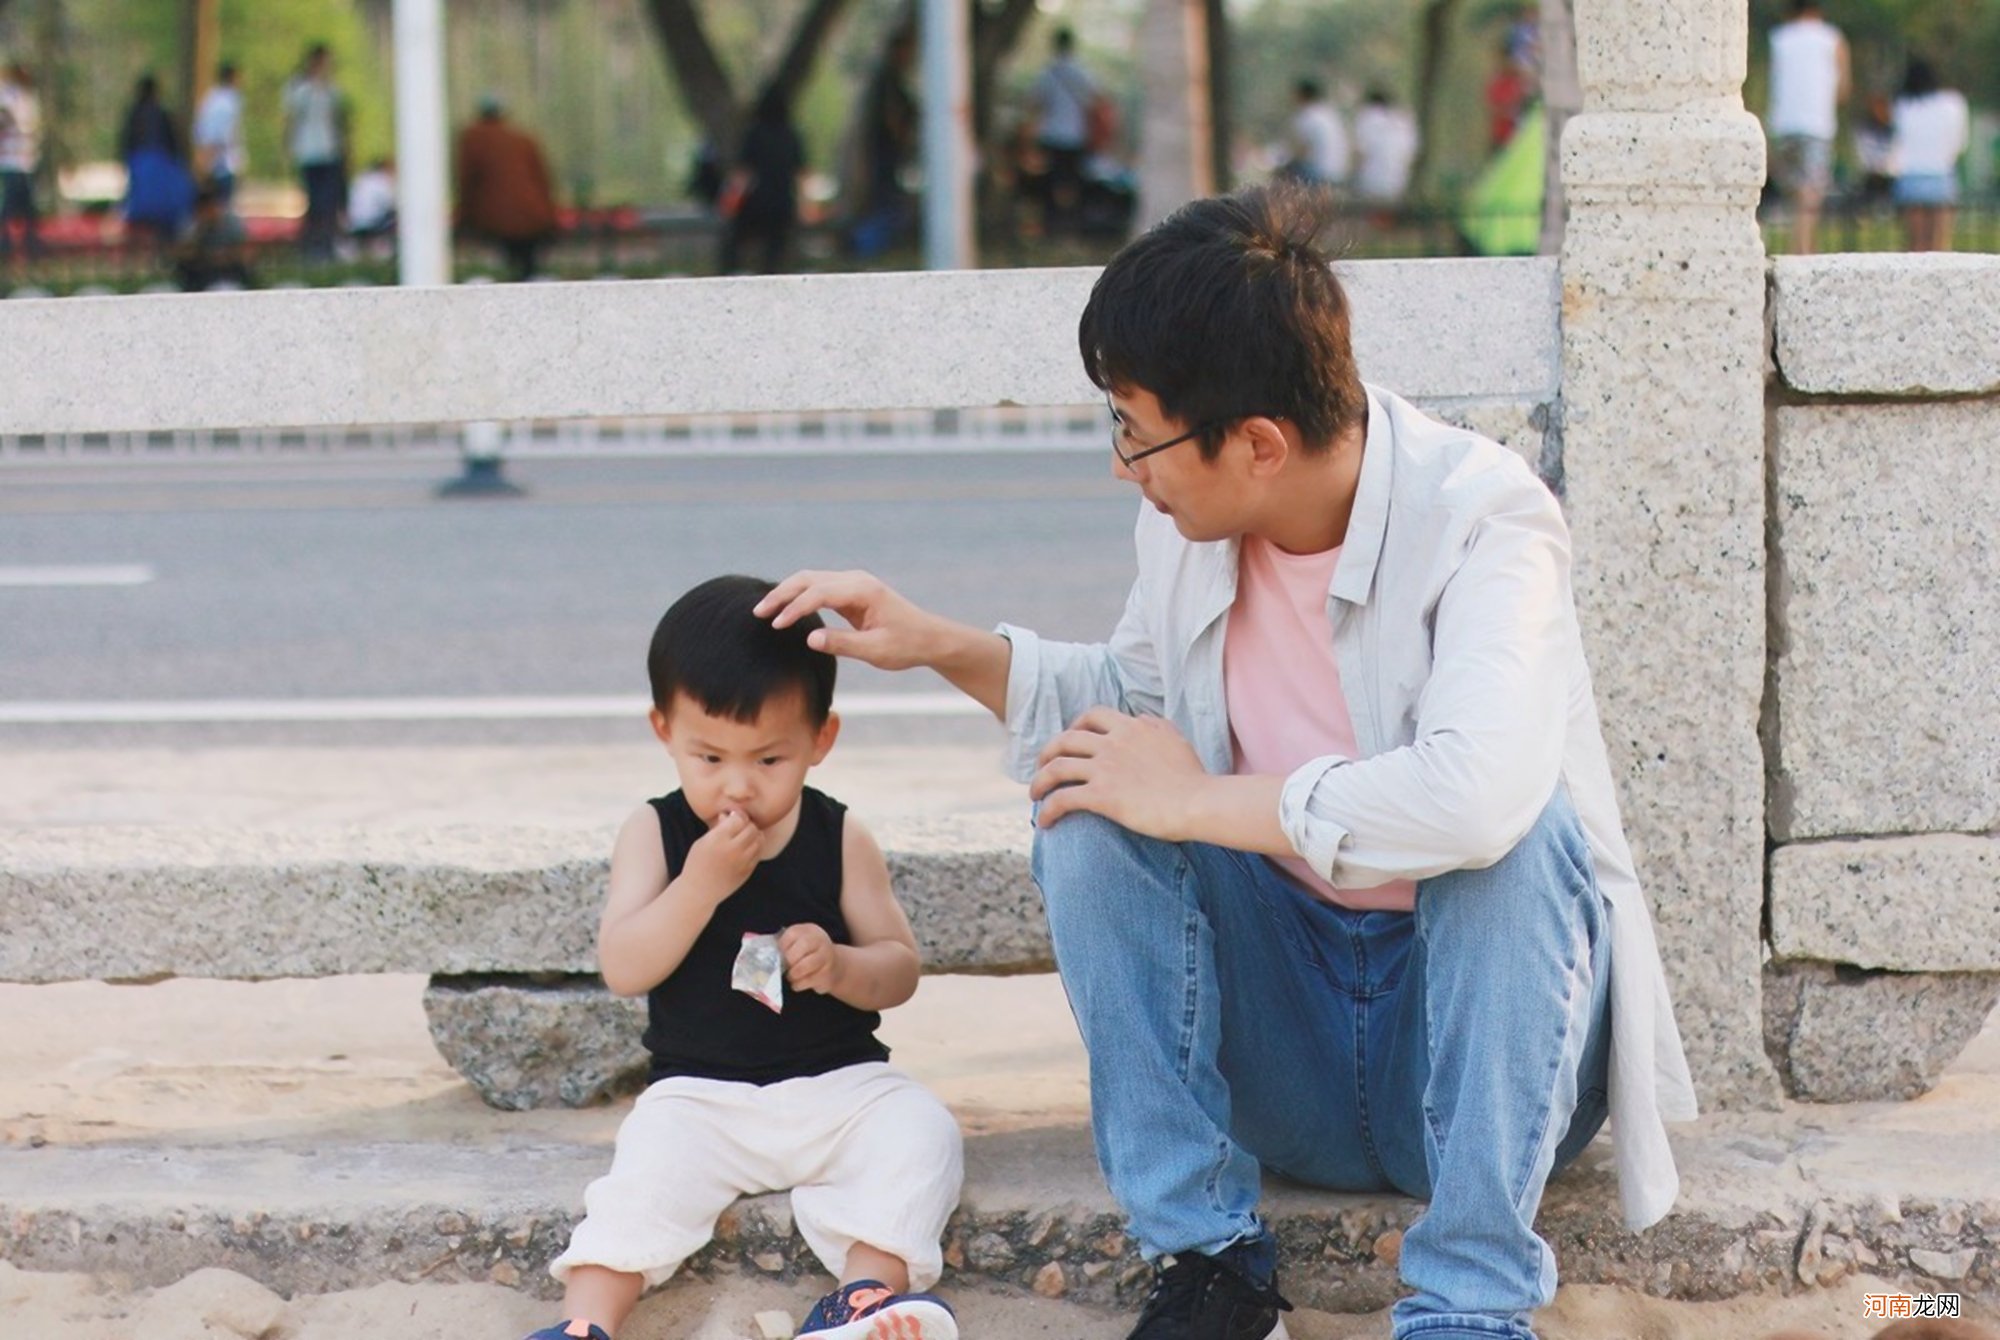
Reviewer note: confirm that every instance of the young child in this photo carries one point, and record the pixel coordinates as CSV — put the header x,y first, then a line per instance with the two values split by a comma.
x,y
748,1098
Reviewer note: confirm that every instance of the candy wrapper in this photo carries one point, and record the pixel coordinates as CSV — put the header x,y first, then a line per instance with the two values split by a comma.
x,y
760,971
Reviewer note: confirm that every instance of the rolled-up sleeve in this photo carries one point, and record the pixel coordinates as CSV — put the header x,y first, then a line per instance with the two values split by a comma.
x,y
1490,723
1050,684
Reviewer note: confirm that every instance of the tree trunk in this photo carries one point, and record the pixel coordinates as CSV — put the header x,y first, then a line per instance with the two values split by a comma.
x,y
1174,139
704,84
1433,43
1562,98
807,40
995,34
1221,99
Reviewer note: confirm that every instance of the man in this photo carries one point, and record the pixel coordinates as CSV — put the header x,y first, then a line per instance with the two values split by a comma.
x,y
1325,832
1809,79
218,135
888,143
20,151
1064,94
504,193
1320,152
315,135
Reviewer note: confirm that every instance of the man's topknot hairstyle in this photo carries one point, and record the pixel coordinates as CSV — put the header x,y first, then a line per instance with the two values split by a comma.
x,y
1227,309
713,647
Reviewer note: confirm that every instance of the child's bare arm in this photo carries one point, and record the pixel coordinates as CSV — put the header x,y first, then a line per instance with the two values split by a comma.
x,y
648,924
879,969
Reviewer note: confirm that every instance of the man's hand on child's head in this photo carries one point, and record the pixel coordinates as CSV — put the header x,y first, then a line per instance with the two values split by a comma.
x,y
723,857
810,961
887,631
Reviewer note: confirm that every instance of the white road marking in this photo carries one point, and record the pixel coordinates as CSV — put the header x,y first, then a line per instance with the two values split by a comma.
x,y
424,709
99,574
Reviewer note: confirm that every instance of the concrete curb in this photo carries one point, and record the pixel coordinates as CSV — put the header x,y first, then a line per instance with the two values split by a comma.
x,y
1767,1206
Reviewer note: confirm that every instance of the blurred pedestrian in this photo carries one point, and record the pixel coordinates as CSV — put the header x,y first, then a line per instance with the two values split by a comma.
x,y
1809,79
1065,96
1875,150
1507,95
371,203
760,196
20,153
1524,40
1932,127
159,190
888,143
1385,144
215,255
1319,151
316,138
504,191
218,134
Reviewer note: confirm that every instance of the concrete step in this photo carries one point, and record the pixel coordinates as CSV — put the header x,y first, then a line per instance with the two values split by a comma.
x,y
1771,1202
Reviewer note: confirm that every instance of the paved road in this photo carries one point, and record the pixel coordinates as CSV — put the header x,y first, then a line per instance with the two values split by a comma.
x,y
345,579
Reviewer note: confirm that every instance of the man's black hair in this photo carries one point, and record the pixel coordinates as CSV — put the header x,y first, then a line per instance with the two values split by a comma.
x,y
1308,90
1919,79
711,646
1228,309
1065,39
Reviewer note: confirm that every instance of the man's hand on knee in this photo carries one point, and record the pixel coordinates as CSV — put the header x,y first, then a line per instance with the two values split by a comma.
x,y
1137,772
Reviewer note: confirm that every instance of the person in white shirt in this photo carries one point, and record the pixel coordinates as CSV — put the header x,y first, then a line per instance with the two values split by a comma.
x,y
20,153
1385,145
316,139
1932,126
219,157
371,202
1065,96
1319,147
1809,79
1326,831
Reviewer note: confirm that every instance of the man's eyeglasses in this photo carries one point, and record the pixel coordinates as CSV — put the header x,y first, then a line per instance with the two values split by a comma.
x,y
1118,431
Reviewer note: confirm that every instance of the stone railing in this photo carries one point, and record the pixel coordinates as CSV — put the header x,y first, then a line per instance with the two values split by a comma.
x,y
503,921
1882,715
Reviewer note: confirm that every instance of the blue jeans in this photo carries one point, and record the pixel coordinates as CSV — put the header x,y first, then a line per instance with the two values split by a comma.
x,y
1235,1023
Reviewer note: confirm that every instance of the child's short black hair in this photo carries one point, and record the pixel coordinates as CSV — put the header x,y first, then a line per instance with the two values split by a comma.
x,y
711,646
1227,309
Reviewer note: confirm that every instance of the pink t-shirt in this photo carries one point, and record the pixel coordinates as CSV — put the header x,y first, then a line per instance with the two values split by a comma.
x,y
1281,681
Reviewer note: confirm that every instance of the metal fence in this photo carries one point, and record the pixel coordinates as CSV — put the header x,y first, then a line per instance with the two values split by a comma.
x,y
999,428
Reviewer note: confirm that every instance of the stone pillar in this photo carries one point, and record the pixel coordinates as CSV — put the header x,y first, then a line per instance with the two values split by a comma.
x,y
1174,139
1663,463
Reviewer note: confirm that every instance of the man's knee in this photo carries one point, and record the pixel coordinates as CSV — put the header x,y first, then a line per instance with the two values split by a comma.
x,y
1085,860
1548,869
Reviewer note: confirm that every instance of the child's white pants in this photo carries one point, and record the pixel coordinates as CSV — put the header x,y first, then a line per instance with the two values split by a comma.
x,y
869,1155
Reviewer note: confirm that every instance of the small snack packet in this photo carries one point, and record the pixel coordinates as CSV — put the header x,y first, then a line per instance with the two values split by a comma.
x,y
760,971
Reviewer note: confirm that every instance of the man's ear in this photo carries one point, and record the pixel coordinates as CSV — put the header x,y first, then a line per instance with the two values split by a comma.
x,y
829,731
1269,447
658,720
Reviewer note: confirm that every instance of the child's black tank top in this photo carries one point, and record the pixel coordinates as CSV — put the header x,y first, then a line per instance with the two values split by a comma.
x,y
698,1024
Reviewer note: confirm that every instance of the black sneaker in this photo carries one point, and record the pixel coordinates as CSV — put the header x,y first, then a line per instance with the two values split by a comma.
x,y
1231,1296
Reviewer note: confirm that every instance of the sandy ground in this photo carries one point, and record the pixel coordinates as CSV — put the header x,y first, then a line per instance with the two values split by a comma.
x,y
221,1061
